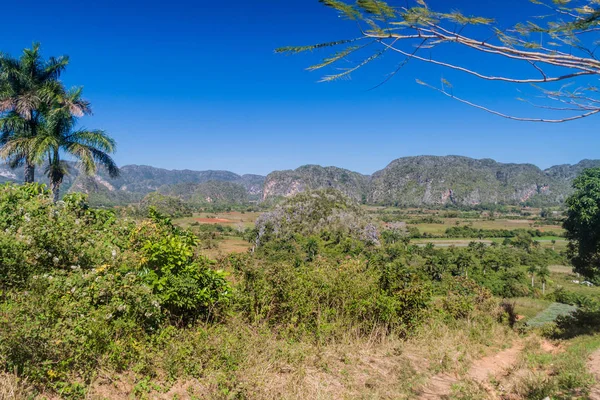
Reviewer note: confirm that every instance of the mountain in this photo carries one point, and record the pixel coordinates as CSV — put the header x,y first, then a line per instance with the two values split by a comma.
x,y
568,172
144,179
136,181
211,192
414,181
288,183
434,180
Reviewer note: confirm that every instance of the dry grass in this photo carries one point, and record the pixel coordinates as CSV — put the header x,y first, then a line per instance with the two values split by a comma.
x,y
227,246
13,388
561,269
353,367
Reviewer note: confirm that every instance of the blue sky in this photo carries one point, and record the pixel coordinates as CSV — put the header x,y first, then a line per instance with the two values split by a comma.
x,y
197,85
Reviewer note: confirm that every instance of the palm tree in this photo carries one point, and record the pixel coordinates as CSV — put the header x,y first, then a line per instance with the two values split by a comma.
x,y
58,136
544,274
532,269
29,86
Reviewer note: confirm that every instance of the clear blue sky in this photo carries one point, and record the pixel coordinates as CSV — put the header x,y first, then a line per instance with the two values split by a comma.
x,y
196,84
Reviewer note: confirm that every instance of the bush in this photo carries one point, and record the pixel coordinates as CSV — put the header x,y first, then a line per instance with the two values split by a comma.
x,y
464,296
38,236
68,320
323,299
81,287
183,281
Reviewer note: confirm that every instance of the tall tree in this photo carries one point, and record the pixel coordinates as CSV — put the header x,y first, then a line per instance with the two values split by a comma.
x,y
58,135
551,49
583,224
29,87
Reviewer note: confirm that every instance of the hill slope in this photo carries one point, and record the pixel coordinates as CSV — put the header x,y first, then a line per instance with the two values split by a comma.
x,y
432,180
310,177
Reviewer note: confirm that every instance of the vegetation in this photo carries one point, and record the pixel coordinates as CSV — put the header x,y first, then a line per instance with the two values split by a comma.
x,y
583,224
85,290
327,213
333,299
208,193
172,207
28,88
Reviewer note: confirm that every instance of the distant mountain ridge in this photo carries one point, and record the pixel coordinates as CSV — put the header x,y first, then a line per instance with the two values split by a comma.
x,y
408,181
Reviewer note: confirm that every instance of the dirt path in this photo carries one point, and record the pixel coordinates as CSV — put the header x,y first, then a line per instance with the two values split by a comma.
x,y
440,386
594,367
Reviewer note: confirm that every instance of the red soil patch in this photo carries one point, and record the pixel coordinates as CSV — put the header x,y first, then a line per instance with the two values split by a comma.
x,y
214,220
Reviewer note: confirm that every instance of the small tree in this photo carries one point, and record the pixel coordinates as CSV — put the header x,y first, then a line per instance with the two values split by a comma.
x,y
583,224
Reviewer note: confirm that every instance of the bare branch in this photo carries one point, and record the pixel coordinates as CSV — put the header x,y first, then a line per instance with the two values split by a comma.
x,y
486,77
469,103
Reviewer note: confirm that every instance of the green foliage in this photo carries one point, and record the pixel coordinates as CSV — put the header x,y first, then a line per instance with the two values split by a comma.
x,y
80,285
463,297
29,87
68,319
583,224
465,231
325,299
184,283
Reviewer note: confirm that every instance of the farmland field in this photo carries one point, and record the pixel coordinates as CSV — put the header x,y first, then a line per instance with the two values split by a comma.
x,y
231,218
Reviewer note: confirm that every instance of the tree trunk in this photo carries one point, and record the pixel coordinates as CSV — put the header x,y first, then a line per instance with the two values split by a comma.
x,y
29,172
55,191
543,288
532,285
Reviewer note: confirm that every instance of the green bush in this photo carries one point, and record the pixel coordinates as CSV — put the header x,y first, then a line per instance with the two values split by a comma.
x,y
81,287
183,281
463,297
325,298
69,320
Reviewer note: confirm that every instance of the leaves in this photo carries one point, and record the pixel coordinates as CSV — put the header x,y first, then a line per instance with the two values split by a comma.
x,y
301,49
377,8
345,9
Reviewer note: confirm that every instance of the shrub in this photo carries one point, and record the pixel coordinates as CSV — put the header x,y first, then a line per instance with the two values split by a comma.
x,y
68,320
324,298
464,296
38,236
183,281
81,287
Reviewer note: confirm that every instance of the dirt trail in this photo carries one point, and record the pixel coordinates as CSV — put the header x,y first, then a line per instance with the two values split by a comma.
x,y
594,367
440,386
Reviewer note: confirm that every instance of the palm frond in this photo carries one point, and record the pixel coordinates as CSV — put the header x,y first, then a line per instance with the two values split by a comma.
x,y
96,138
